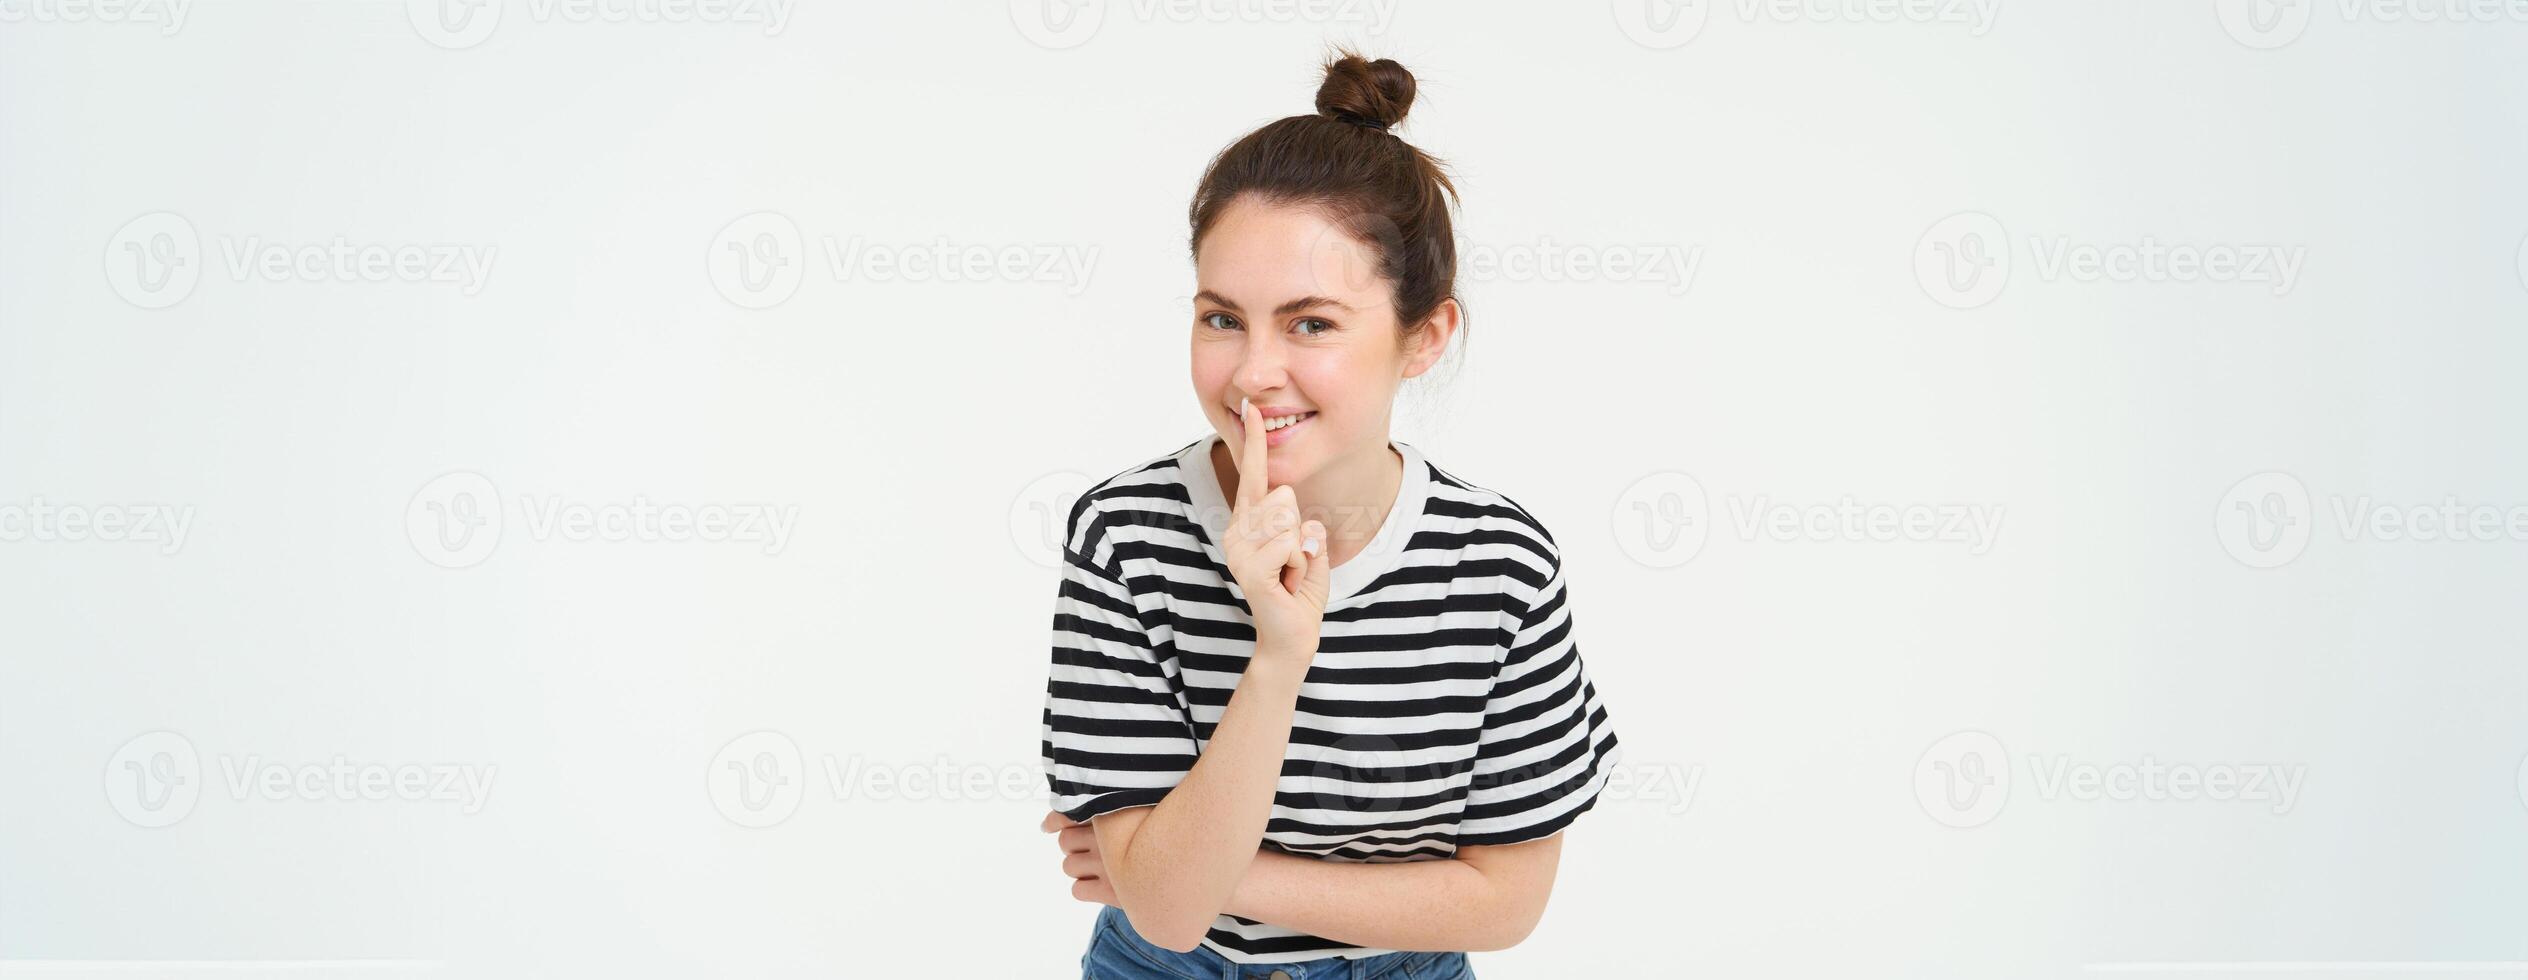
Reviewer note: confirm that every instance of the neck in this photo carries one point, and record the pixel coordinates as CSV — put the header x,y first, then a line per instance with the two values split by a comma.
x,y
1351,496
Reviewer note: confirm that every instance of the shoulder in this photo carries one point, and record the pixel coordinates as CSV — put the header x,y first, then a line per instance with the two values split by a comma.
x,y
1149,493
1484,516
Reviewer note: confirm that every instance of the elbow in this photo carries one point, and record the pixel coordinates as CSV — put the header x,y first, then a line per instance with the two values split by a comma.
x,y
1509,929
1500,938
1161,923
1185,944
1174,936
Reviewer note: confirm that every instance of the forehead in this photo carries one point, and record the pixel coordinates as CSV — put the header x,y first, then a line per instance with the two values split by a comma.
x,y
1259,255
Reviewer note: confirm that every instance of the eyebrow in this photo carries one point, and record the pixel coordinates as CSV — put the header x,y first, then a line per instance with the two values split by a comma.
x,y
1286,309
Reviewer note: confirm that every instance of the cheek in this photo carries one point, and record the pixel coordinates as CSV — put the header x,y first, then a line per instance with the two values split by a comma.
x,y
1211,372
1339,381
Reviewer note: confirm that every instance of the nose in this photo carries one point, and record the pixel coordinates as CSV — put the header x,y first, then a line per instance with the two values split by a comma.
x,y
1260,365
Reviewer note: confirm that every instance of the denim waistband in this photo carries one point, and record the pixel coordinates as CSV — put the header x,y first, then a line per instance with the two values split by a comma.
x,y
1203,963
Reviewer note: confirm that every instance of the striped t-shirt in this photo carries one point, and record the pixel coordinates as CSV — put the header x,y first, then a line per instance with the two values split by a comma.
x,y
1446,705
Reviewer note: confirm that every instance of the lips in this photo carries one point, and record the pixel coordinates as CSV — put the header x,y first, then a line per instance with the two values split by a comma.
x,y
1272,412
1273,438
1279,422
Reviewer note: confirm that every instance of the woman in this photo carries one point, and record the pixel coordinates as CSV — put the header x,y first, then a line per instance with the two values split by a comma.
x,y
1315,707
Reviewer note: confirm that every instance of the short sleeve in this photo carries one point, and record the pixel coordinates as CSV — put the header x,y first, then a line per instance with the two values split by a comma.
x,y
1116,732
1546,746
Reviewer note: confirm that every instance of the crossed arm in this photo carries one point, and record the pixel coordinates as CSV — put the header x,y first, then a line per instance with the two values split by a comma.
x,y
1484,898
1175,866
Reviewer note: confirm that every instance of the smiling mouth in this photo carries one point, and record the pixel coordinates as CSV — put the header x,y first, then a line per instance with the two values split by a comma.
x,y
1286,421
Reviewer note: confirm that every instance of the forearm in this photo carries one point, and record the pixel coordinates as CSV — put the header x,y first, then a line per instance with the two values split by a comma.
x,y
1184,860
1443,904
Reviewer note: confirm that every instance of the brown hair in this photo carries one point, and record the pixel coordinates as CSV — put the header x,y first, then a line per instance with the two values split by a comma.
x,y
1344,162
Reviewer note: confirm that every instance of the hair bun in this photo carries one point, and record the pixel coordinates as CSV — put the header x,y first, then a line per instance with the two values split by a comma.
x,y
1364,92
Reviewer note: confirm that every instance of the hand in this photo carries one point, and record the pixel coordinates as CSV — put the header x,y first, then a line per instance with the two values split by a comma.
x,y
1080,859
1278,561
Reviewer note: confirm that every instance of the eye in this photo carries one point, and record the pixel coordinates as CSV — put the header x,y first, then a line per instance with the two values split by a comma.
x,y
1325,325
1219,321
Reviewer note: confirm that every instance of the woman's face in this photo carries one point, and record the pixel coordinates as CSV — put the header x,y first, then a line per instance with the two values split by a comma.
x,y
1291,312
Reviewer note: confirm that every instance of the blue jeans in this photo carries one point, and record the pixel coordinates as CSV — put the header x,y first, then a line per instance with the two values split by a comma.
x,y
1115,952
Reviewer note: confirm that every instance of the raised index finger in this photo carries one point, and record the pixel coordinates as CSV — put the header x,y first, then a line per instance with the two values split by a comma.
x,y
1251,462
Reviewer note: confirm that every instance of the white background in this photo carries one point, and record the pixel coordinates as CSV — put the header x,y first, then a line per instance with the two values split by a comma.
x,y
2142,601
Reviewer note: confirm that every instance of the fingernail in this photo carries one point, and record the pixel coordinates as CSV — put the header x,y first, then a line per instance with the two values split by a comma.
x,y
1242,402
1310,546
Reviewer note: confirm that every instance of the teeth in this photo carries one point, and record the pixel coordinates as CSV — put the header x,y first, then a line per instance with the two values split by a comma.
x,y
1285,421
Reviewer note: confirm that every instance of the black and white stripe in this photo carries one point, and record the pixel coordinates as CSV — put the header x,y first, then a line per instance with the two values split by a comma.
x,y
1447,704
